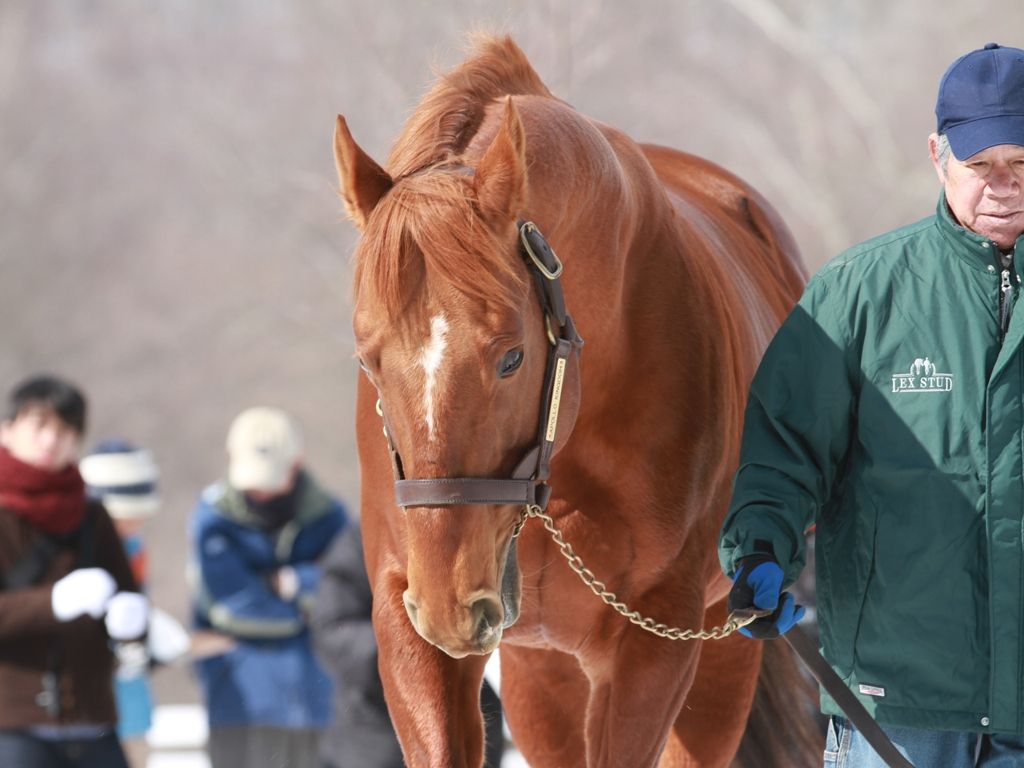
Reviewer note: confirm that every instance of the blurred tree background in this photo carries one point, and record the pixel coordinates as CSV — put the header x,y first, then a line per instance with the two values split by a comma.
x,y
170,234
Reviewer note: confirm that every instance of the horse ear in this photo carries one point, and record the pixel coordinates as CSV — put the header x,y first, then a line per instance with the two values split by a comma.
x,y
500,178
363,182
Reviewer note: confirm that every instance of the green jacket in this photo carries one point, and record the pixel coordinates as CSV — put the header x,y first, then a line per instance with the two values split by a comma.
x,y
889,412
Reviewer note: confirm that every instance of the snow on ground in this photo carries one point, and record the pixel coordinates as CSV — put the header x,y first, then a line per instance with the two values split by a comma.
x,y
179,734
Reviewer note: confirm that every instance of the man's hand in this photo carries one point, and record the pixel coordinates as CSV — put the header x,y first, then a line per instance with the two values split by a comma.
x,y
758,585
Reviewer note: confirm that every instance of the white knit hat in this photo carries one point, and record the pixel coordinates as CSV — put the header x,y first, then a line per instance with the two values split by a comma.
x,y
264,444
123,477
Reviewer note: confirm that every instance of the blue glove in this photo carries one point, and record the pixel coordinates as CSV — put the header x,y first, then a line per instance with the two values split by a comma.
x,y
758,585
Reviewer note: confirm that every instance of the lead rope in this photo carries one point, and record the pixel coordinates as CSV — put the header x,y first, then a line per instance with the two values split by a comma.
x,y
598,587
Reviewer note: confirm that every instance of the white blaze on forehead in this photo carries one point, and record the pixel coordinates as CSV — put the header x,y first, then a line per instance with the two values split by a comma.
x,y
430,359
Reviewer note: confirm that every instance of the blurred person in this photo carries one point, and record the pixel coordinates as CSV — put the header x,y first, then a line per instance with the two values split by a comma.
x,y
888,412
361,734
494,725
124,478
256,537
68,595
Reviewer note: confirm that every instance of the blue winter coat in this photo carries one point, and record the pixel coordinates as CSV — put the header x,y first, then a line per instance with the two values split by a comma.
x,y
271,678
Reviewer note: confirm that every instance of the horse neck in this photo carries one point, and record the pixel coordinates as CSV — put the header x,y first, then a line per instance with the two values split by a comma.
x,y
633,270
643,299
586,177
596,198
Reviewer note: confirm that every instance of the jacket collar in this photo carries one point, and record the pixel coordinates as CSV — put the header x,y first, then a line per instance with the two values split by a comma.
x,y
312,503
978,251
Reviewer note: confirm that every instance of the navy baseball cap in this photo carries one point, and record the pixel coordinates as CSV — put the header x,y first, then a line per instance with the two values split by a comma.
x,y
981,100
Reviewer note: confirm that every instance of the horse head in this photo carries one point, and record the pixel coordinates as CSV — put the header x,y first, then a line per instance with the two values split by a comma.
x,y
450,329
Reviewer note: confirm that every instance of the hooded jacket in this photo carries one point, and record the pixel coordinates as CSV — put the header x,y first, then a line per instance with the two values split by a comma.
x,y
889,412
271,677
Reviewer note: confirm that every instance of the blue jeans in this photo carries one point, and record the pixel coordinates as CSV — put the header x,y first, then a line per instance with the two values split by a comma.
x,y
846,747
24,750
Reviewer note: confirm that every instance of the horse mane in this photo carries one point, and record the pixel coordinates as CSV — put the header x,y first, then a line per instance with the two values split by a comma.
x,y
449,115
426,223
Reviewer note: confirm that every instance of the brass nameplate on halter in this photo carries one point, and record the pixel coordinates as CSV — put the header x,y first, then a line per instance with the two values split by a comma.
x,y
556,399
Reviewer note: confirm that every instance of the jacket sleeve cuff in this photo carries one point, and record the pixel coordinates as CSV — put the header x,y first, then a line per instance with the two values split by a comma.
x,y
742,539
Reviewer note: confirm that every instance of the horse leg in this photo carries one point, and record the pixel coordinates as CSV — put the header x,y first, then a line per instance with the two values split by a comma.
x,y
711,723
544,695
433,699
639,682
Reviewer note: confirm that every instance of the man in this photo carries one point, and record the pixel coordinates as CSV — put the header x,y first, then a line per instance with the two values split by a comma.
x,y
361,734
67,594
889,412
256,539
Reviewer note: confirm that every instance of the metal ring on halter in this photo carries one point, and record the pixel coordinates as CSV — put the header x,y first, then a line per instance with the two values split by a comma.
x,y
518,527
379,408
554,274
528,511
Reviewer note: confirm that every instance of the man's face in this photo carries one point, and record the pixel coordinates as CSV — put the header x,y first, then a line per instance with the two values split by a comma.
x,y
39,437
264,496
986,191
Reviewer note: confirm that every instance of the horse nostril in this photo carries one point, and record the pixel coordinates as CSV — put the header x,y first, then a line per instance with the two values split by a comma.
x,y
483,629
488,613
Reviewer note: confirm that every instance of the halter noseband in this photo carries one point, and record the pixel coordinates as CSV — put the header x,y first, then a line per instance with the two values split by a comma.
x,y
527,485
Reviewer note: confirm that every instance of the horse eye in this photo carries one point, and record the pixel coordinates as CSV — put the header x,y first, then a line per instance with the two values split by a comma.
x,y
510,361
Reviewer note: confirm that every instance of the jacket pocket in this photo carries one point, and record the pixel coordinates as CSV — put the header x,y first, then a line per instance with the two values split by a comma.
x,y
846,565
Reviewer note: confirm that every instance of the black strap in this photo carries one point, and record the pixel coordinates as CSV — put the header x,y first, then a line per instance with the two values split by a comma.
x,y
445,491
807,650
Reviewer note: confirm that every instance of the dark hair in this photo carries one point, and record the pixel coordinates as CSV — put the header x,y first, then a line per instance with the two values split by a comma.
x,y
61,396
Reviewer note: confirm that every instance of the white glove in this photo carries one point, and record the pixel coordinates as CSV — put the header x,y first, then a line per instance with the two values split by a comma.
x,y
83,591
127,616
168,640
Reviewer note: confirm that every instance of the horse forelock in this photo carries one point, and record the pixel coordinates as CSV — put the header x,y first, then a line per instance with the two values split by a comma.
x,y
451,112
428,223
429,226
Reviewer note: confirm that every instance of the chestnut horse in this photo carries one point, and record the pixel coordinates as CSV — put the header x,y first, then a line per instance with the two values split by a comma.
x,y
676,274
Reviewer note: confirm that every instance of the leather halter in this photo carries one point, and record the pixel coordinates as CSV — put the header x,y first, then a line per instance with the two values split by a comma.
x,y
527,485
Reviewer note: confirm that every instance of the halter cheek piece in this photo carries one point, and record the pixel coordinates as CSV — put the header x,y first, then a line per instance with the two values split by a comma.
x,y
528,485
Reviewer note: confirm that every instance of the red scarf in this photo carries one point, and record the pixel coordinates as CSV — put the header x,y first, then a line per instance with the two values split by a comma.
x,y
51,501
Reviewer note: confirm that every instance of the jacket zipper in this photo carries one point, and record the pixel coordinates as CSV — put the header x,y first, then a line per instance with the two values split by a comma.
x,y
1005,303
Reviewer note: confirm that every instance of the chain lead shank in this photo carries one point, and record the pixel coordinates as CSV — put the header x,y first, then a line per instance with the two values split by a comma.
x,y
598,587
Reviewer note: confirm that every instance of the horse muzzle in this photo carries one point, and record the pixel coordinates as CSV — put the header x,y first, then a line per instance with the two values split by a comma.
x,y
475,624
462,630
